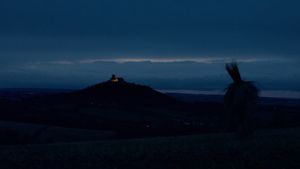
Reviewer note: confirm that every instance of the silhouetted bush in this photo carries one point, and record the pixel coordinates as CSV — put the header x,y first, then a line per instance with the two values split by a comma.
x,y
240,102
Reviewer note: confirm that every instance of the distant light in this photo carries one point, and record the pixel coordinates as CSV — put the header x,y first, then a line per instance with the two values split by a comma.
x,y
114,79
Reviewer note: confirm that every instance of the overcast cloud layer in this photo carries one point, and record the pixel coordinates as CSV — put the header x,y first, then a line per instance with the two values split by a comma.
x,y
89,40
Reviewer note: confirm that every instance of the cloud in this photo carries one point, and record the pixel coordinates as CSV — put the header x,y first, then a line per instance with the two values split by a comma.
x,y
180,39
61,62
192,27
203,60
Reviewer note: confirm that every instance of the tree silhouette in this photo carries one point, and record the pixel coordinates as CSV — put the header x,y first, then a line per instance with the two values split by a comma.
x,y
240,102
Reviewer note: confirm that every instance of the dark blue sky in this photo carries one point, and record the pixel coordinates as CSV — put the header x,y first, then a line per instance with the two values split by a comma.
x,y
73,43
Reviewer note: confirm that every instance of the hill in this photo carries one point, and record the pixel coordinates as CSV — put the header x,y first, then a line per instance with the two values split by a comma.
x,y
114,93
128,109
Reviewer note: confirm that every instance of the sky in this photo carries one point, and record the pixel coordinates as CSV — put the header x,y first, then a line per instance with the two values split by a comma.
x,y
167,44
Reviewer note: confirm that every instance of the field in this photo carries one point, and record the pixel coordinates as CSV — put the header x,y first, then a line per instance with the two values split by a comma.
x,y
268,149
60,132
27,133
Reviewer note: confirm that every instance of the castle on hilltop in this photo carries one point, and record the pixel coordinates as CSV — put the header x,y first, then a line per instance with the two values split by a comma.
x,y
115,79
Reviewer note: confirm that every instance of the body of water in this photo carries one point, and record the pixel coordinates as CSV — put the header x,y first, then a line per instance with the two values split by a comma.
x,y
263,93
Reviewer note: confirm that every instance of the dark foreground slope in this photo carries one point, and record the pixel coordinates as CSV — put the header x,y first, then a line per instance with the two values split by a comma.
x,y
272,149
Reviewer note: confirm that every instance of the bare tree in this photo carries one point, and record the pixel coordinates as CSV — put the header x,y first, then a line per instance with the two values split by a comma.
x,y
240,103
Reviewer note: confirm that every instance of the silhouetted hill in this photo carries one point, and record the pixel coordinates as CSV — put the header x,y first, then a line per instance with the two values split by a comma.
x,y
112,105
120,93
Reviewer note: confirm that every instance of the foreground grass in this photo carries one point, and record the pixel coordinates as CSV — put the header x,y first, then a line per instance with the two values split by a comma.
x,y
269,149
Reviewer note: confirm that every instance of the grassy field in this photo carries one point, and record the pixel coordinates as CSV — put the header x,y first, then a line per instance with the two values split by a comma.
x,y
27,133
267,149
